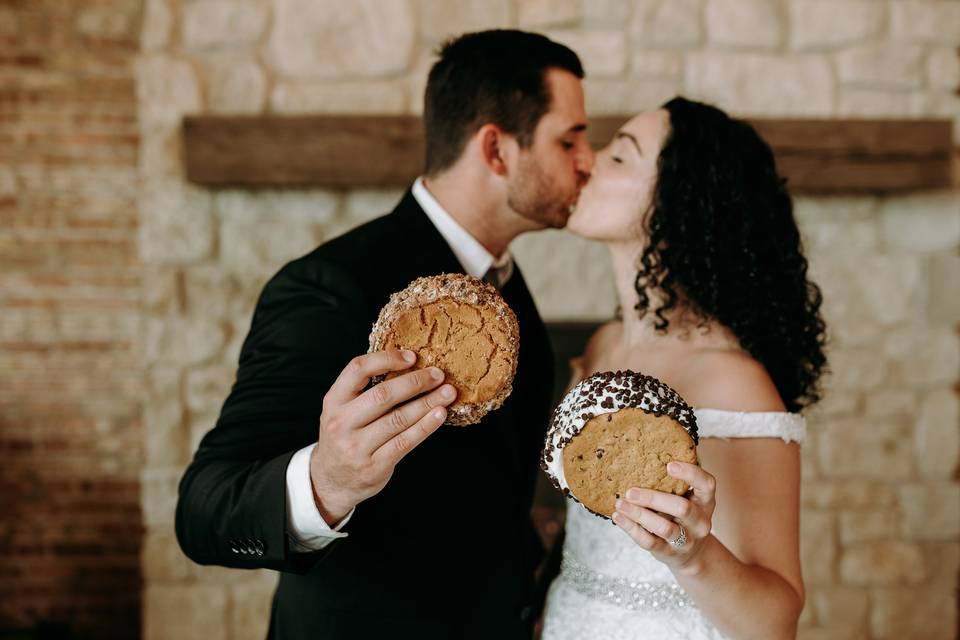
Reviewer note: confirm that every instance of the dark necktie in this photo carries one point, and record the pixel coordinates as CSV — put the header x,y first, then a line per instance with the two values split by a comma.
x,y
499,275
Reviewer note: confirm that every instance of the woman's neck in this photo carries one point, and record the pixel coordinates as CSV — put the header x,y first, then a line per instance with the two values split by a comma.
x,y
685,328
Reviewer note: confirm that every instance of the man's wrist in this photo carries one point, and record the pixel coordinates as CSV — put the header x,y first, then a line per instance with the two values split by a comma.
x,y
331,509
331,512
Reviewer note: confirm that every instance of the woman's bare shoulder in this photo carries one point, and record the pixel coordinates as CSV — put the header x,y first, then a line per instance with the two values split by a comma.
x,y
599,343
584,364
730,380
602,340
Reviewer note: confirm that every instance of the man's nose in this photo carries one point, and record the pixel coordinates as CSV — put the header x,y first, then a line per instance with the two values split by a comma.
x,y
585,161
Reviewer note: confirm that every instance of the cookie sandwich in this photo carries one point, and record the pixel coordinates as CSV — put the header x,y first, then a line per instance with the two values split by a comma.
x,y
614,431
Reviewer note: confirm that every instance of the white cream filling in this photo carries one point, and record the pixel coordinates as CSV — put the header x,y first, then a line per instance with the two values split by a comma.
x,y
570,423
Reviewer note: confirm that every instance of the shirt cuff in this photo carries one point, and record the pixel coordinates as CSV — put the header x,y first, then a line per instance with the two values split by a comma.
x,y
306,528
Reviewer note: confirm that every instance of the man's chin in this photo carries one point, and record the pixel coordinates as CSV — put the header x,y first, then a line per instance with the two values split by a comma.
x,y
555,217
548,220
562,215
565,215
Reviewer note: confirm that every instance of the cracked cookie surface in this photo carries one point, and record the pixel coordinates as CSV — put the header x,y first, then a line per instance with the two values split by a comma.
x,y
461,325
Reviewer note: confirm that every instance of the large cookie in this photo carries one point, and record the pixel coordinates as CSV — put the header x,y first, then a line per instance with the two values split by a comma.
x,y
462,325
614,431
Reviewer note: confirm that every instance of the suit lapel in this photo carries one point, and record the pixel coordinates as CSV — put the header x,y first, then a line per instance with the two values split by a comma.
x,y
421,247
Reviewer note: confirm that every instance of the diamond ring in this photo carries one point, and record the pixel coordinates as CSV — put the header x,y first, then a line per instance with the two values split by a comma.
x,y
681,539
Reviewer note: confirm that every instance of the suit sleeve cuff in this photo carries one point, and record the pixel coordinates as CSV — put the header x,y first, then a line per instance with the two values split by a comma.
x,y
306,529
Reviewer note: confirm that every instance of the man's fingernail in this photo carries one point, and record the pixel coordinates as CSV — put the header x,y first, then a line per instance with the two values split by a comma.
x,y
436,374
448,393
673,467
409,356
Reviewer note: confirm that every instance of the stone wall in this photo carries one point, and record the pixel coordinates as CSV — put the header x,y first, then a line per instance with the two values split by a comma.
x,y
880,494
129,313
70,320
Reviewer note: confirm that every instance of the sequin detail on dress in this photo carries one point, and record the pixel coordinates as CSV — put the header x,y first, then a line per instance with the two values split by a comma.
x,y
629,594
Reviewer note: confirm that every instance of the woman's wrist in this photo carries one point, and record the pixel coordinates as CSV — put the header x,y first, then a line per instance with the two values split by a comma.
x,y
695,564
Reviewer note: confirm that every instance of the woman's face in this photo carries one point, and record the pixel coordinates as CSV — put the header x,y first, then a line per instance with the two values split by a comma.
x,y
613,204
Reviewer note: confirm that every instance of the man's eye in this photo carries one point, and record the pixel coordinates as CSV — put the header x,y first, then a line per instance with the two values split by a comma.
x,y
617,160
567,145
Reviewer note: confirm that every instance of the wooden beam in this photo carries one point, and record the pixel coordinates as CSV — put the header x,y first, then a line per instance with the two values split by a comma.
x,y
346,152
299,151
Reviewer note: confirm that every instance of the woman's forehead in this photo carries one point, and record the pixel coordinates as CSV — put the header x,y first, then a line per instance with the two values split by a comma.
x,y
650,126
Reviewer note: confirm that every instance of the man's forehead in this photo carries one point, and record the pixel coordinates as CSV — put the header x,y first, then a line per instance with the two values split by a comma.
x,y
566,105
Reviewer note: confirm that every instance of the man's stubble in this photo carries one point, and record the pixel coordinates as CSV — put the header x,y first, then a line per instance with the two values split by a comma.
x,y
534,197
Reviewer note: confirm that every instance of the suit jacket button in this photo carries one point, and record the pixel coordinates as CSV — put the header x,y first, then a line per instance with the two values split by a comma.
x,y
525,613
233,546
260,546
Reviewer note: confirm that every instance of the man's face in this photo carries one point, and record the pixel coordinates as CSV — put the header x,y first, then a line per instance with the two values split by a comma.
x,y
551,172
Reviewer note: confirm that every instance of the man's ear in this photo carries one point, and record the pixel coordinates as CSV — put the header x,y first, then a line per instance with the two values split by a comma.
x,y
493,147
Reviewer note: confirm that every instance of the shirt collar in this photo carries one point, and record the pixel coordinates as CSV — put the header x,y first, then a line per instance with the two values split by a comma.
x,y
472,255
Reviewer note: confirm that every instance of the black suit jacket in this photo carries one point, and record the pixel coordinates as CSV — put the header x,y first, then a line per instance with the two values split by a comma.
x,y
447,549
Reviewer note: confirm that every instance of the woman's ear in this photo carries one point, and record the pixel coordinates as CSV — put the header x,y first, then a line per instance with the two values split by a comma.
x,y
493,142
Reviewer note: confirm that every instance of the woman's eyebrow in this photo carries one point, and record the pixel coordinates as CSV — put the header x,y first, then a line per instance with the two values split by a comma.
x,y
624,134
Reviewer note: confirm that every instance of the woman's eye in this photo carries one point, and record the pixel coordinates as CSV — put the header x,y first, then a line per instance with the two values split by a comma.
x,y
567,145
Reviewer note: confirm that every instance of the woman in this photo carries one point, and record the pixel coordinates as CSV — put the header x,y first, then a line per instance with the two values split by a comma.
x,y
716,303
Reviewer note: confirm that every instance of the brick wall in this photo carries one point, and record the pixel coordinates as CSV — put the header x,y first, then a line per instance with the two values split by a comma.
x,y
70,364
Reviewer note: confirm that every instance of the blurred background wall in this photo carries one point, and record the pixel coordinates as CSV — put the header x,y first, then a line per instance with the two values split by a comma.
x,y
71,320
125,290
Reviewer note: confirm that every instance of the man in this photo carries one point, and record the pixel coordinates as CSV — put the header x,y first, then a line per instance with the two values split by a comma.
x,y
382,523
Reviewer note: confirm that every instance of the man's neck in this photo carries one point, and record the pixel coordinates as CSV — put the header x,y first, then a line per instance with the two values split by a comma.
x,y
469,203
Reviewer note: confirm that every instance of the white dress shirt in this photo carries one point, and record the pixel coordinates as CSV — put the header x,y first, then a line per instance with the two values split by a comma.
x,y
307,529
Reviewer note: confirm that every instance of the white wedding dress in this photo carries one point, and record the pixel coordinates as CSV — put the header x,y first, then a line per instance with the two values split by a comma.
x,y
610,587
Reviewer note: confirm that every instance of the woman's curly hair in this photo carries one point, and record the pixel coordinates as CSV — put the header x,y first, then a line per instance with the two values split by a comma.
x,y
722,237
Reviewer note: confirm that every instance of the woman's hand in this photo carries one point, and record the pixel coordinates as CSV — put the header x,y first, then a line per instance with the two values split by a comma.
x,y
673,528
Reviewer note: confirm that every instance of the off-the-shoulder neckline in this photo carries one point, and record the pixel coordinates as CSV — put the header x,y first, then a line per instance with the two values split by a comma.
x,y
747,413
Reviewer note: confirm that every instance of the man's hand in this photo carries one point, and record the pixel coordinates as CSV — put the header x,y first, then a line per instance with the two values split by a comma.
x,y
364,434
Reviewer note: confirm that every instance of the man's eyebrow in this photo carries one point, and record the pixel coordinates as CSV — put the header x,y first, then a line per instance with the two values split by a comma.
x,y
577,128
624,134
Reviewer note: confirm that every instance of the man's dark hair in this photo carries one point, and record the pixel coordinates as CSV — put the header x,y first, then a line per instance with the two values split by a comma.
x,y
486,77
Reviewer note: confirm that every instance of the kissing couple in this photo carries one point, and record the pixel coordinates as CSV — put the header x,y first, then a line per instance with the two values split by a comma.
x,y
382,524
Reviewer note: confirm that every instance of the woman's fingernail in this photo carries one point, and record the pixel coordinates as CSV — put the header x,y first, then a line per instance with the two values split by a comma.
x,y
409,356
673,467
448,392
618,504
616,517
436,373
